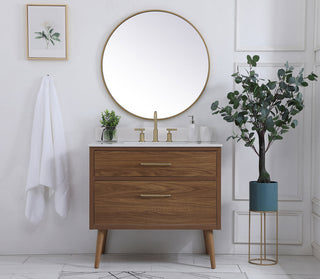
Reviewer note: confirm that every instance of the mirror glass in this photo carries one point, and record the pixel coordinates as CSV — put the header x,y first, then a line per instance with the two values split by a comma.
x,y
155,61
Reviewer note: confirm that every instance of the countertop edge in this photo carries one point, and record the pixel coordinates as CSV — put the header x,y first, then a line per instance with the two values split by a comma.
x,y
150,144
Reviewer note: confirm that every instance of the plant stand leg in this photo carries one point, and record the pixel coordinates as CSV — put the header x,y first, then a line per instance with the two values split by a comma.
x,y
101,235
210,245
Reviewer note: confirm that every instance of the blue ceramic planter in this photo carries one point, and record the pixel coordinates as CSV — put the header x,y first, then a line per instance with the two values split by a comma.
x,y
263,196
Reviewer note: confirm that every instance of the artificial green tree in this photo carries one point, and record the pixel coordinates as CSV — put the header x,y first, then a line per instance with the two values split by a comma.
x,y
264,109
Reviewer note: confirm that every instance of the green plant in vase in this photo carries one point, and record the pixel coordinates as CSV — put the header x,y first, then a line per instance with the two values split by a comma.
x,y
109,122
264,111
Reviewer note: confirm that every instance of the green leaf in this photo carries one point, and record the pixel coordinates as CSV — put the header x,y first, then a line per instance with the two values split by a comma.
x,y
228,118
264,112
56,34
311,77
291,80
282,85
281,72
286,65
272,85
304,84
215,105
269,124
230,95
238,79
256,58
236,104
294,123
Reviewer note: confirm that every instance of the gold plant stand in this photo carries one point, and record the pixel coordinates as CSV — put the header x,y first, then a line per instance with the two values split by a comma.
x,y
264,259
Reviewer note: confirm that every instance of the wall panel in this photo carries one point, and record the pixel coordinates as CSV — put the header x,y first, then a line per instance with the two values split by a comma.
x,y
263,25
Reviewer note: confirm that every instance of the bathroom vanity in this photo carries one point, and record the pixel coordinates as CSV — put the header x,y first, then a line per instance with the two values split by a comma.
x,y
155,186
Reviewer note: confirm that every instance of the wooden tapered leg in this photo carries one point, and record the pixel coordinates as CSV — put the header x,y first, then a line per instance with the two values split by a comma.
x,y
210,245
100,240
104,242
205,242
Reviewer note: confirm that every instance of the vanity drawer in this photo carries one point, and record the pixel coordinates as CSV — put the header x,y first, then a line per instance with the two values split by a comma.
x,y
118,163
155,204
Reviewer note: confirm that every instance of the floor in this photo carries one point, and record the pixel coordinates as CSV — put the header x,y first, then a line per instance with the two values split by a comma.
x,y
168,266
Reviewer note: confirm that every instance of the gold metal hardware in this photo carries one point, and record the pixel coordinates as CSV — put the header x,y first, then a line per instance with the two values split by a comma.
x,y
141,138
169,134
155,195
263,260
155,164
155,127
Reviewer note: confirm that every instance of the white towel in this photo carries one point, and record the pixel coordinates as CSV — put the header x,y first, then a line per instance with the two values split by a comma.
x,y
48,157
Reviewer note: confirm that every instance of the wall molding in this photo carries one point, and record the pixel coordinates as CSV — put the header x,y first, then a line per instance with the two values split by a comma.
x,y
316,249
316,47
237,239
316,207
266,48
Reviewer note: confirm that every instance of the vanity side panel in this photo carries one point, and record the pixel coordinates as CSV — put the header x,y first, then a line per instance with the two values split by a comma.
x,y
91,190
218,189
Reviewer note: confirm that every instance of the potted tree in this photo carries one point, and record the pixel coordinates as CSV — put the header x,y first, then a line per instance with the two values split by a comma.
x,y
263,112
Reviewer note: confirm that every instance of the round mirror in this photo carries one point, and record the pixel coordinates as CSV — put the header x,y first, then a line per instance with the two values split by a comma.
x,y
155,61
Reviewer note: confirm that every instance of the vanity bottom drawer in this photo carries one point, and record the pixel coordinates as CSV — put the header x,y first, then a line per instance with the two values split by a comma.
x,y
154,204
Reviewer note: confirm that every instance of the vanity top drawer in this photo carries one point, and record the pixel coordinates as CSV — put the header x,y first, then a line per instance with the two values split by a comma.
x,y
155,204
148,162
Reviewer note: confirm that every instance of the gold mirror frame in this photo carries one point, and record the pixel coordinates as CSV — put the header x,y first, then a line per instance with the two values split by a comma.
x,y
133,15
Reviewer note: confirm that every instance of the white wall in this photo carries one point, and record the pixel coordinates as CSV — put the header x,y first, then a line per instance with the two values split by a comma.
x,y
225,27
316,139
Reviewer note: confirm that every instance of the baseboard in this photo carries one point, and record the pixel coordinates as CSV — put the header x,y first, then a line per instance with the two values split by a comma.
x,y
316,250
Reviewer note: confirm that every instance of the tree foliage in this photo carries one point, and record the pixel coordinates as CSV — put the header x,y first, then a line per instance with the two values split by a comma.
x,y
264,109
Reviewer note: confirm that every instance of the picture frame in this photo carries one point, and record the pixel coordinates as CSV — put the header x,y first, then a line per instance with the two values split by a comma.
x,y
47,37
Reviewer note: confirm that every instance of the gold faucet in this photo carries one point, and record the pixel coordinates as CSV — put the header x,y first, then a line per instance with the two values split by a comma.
x,y
155,127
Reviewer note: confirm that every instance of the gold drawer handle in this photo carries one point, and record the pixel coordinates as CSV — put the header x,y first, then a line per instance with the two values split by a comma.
x,y
155,195
155,164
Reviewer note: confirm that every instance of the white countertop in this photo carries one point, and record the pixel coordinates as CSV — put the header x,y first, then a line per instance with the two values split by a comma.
x,y
155,144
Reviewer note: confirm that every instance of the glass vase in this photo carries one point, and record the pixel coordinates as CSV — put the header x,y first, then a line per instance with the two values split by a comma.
x,y
109,134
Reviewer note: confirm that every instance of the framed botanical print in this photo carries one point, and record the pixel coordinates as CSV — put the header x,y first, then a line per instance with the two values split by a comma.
x,y
47,32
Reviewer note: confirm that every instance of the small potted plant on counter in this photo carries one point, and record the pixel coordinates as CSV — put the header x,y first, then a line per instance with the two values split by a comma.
x,y
109,122
263,112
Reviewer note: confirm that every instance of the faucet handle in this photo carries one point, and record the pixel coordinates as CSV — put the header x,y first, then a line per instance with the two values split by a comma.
x,y
141,138
169,135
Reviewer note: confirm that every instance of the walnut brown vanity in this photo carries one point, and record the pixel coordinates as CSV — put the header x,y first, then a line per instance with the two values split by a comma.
x,y
146,186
